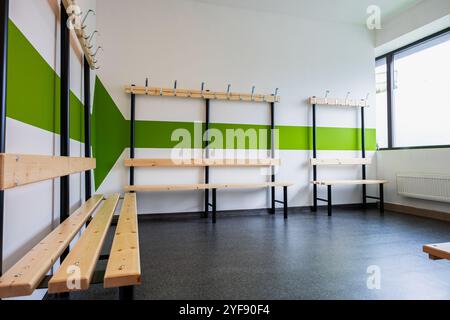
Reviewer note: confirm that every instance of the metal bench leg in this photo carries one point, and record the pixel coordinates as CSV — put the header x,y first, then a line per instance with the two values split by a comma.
x,y
126,293
206,213
272,211
381,199
214,205
285,202
330,207
364,196
314,208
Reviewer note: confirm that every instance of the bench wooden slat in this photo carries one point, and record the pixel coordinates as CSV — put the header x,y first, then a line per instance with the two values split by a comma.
x,y
333,162
438,251
25,276
124,265
19,169
206,186
201,162
85,254
348,182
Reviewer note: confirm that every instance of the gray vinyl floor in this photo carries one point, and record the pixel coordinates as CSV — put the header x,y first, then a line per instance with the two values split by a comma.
x,y
310,256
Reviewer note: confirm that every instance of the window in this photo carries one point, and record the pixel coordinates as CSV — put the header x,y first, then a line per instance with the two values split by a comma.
x,y
381,111
413,94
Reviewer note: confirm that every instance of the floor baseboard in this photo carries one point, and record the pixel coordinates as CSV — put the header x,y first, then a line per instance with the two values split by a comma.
x,y
424,213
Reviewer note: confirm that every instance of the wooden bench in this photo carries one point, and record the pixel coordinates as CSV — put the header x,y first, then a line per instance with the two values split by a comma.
x,y
77,270
438,251
330,183
218,186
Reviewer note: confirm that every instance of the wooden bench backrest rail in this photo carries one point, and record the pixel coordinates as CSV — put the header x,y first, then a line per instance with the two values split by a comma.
x,y
79,266
18,170
209,186
201,162
339,162
26,275
124,266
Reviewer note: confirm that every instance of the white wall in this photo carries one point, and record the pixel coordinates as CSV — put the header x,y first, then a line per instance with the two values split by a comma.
x,y
194,42
32,211
422,20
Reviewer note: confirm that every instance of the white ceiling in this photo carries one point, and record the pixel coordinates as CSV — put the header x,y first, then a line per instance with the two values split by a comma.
x,y
347,11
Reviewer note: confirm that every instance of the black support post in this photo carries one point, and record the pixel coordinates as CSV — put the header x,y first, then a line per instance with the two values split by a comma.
x,y
285,201
381,199
272,145
87,127
214,205
4,18
363,149
390,98
314,134
65,115
207,123
330,202
132,134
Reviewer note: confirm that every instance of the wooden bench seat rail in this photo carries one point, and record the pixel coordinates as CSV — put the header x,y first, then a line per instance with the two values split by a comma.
x,y
201,162
124,267
338,162
26,275
209,186
348,182
18,169
78,267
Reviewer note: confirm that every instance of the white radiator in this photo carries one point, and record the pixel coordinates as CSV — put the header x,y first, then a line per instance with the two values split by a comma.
x,y
424,186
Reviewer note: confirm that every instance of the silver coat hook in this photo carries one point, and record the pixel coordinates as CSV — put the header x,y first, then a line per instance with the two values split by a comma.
x,y
327,93
89,39
229,91
86,16
203,89
175,87
253,92
96,51
276,92
146,86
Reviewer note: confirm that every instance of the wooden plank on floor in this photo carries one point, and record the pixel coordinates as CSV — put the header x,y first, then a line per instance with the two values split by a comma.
x,y
25,276
124,264
18,169
438,251
75,273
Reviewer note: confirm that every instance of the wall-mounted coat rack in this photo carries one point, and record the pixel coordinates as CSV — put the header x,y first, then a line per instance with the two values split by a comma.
x,y
363,103
83,38
202,94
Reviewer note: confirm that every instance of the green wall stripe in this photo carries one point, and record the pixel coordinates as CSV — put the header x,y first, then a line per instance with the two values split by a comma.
x,y
33,89
111,132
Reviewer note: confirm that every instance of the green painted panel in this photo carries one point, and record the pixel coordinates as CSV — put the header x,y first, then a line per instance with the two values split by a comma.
x,y
33,89
111,135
